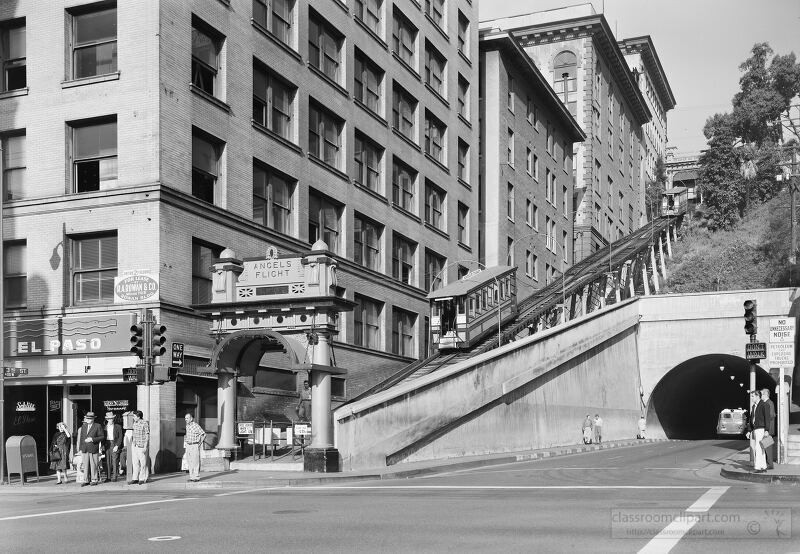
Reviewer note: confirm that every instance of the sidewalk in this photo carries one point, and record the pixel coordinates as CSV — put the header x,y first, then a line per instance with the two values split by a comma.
x,y
740,469
239,480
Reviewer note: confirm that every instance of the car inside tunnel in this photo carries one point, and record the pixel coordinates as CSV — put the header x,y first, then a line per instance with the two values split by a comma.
x,y
686,403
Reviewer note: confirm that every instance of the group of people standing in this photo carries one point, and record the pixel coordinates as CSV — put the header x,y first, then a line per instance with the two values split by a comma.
x,y
760,430
92,439
592,429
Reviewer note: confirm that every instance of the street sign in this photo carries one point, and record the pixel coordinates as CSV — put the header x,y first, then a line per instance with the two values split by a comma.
x,y
133,374
781,330
781,354
177,354
302,429
14,371
755,350
245,427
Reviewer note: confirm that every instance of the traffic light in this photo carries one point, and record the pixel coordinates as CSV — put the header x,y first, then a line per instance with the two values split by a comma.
x,y
750,317
158,341
137,339
172,373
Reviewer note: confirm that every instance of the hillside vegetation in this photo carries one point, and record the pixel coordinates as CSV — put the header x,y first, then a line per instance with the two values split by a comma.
x,y
752,253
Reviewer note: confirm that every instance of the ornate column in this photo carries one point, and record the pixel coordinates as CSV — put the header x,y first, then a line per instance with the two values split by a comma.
x,y
655,268
226,409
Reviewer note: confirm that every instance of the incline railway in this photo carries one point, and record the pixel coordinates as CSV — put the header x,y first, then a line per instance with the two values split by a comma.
x,y
627,268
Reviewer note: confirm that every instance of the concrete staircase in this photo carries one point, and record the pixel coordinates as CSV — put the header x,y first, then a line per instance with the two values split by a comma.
x,y
793,450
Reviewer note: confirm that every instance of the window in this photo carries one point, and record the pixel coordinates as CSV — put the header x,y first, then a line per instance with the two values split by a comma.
x,y
93,266
203,256
598,129
552,198
510,252
463,224
565,153
529,263
511,95
463,161
463,97
434,267
367,322
536,167
206,153
368,157
564,246
630,217
510,148
403,252
547,184
94,43
367,79
403,108
598,80
549,138
434,69
273,101
367,240
404,37
619,204
369,12
529,110
324,221
435,10
13,52
564,200
463,34
435,201
272,198
529,212
14,164
565,82
403,185
597,173
435,137
324,46
206,46
610,190
510,202
94,156
276,17
403,332
324,135
529,161
15,274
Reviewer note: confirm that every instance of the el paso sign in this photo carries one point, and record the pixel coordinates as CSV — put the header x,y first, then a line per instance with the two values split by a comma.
x,y
63,336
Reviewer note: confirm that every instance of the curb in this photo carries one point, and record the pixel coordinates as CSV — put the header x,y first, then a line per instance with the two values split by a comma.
x,y
766,478
344,478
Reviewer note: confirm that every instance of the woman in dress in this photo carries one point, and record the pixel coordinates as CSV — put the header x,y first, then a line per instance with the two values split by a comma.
x,y
61,444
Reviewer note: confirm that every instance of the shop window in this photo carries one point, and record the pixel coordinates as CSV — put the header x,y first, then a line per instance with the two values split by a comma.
x,y
93,267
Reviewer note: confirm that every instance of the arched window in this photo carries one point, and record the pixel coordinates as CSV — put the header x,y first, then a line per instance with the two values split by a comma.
x,y
565,82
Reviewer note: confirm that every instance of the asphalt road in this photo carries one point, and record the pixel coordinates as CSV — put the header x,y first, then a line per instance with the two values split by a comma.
x,y
613,500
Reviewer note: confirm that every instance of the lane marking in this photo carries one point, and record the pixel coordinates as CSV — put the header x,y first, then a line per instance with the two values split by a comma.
x,y
669,537
97,509
614,458
260,489
675,468
165,538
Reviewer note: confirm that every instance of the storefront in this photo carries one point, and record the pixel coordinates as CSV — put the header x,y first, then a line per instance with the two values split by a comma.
x,y
63,367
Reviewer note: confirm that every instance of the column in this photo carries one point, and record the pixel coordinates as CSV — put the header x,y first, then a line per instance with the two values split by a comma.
x,y
321,417
226,409
645,279
655,268
661,257
669,244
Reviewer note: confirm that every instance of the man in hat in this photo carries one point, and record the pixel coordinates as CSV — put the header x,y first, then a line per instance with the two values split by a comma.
x,y
113,445
89,438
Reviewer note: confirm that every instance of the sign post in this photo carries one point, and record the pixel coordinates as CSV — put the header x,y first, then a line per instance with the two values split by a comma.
x,y
781,355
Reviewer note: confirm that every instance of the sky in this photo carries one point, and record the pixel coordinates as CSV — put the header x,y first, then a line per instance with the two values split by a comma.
x,y
700,44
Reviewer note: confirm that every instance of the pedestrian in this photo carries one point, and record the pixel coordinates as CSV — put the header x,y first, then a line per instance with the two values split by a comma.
x,y
303,408
770,429
112,445
60,447
89,438
642,427
192,442
757,430
755,397
598,428
587,430
140,444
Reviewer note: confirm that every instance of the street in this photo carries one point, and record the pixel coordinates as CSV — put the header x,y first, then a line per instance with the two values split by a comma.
x,y
553,505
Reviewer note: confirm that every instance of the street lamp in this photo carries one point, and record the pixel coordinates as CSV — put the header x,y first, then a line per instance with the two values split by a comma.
x,y
496,284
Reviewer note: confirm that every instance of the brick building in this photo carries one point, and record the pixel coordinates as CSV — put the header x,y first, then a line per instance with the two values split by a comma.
x,y
576,51
148,136
526,165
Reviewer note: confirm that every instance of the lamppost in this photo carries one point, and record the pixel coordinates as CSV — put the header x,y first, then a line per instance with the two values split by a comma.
x,y
496,284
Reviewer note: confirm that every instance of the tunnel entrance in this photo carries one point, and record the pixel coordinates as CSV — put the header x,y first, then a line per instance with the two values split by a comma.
x,y
687,401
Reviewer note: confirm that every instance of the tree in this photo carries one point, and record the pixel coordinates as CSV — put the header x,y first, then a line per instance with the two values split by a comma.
x,y
654,190
743,155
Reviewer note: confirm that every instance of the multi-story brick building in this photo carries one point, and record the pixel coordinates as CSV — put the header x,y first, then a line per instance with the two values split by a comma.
x,y
526,165
576,51
148,136
640,53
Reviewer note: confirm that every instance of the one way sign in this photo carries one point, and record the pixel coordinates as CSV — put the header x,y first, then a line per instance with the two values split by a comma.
x,y
177,354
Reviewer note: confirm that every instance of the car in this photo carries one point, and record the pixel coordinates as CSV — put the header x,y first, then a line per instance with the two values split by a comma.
x,y
732,422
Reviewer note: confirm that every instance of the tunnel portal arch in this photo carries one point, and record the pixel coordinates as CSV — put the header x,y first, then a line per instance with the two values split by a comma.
x,y
686,402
